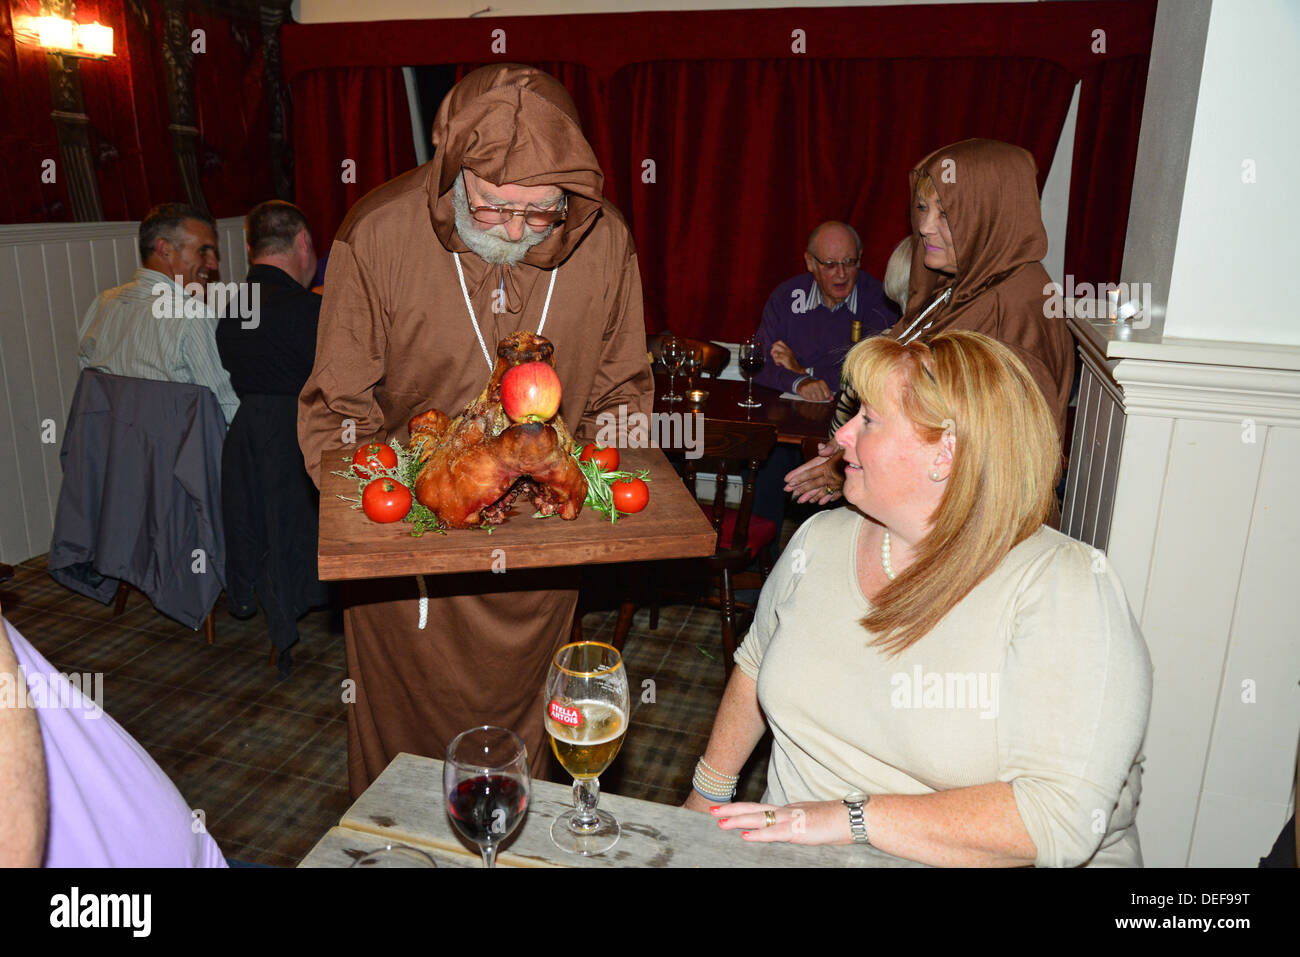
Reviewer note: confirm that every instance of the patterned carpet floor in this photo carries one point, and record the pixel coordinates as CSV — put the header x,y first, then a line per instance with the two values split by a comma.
x,y
264,760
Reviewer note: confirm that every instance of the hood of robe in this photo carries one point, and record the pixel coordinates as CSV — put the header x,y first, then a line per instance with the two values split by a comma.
x,y
989,190
514,124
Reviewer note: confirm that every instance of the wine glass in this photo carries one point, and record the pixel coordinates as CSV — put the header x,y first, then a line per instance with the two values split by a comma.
x,y
485,780
751,364
586,717
671,352
693,366
394,855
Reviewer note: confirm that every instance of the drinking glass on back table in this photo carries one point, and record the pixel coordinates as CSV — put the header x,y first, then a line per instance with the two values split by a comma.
x,y
586,717
485,780
751,364
693,365
671,353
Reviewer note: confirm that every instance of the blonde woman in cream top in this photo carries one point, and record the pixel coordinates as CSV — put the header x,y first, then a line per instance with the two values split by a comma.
x,y
977,678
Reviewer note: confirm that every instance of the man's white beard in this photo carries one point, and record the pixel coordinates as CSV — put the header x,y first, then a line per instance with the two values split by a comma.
x,y
493,244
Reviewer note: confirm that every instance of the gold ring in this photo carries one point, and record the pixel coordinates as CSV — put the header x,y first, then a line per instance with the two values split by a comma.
x,y
831,490
769,817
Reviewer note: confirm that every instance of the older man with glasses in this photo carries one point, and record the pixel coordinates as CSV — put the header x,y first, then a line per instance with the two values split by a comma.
x,y
807,322
505,229
806,331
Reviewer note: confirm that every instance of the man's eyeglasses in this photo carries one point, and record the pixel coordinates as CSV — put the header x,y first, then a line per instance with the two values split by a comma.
x,y
538,218
831,264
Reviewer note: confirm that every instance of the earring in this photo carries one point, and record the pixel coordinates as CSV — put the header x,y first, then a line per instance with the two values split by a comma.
x,y
934,476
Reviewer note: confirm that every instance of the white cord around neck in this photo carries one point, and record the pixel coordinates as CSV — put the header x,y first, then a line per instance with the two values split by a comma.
x,y
939,300
469,306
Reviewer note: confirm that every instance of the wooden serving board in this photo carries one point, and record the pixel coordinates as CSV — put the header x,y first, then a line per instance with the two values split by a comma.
x,y
353,547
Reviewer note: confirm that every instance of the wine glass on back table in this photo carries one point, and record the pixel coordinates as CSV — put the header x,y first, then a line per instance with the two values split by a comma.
x,y
485,780
586,717
671,353
751,364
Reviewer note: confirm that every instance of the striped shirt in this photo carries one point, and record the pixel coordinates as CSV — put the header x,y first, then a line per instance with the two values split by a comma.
x,y
123,334
815,299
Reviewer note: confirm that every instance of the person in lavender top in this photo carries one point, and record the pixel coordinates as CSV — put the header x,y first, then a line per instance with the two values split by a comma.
x,y
75,789
806,323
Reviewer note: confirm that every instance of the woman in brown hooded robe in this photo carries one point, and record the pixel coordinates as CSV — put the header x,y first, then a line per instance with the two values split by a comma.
x,y
987,276
398,336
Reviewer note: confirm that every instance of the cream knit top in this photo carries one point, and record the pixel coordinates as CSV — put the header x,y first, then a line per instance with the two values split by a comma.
x,y
1038,677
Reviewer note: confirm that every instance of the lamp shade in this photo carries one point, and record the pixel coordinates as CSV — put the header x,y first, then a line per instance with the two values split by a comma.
x,y
97,39
55,32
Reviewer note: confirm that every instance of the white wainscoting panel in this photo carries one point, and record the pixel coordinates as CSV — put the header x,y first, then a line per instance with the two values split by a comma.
x,y
49,276
1205,535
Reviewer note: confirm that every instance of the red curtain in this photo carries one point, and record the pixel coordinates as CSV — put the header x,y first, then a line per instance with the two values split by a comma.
x,y
338,157
761,123
233,116
27,137
126,101
732,202
125,98
1101,176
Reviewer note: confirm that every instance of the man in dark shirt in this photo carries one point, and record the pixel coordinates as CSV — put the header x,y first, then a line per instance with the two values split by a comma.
x,y
268,345
806,331
808,319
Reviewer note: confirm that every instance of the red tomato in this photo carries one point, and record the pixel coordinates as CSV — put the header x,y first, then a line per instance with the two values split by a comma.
x,y
530,392
606,458
372,457
386,501
630,495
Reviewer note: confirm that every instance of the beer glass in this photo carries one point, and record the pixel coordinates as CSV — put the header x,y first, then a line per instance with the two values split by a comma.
x,y
485,780
586,717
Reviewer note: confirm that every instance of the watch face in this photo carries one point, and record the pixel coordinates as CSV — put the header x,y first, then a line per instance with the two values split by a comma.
x,y
855,797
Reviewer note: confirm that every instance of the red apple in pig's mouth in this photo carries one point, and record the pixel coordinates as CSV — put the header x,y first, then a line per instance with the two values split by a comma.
x,y
530,392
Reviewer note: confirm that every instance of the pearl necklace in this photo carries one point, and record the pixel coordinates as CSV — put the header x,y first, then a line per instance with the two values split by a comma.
x,y
884,557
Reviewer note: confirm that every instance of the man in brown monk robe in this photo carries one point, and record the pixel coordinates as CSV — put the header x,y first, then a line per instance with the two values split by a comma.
x,y
504,229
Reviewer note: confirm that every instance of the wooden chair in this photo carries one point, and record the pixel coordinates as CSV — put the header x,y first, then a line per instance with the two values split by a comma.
x,y
715,357
729,448
209,623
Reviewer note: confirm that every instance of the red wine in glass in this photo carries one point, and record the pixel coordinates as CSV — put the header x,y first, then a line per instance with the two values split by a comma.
x,y
751,364
487,809
485,781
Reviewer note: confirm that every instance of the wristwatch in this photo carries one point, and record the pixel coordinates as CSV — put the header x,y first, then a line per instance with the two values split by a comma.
x,y
855,801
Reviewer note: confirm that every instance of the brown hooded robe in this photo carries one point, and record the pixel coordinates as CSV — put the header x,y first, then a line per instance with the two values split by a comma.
x,y
396,339
989,192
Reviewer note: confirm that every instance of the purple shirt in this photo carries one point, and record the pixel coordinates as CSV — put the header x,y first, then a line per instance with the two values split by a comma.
x,y
110,803
818,337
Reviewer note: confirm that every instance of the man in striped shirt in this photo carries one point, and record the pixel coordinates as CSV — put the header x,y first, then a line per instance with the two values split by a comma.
x,y
156,326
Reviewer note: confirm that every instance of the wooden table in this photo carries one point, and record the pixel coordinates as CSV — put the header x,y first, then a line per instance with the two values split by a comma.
x,y
405,805
352,546
794,420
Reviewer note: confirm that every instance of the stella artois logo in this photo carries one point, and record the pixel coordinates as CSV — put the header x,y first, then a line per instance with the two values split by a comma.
x,y
565,715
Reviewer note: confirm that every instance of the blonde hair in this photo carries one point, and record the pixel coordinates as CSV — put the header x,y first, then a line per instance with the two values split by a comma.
x,y
925,188
898,273
1004,469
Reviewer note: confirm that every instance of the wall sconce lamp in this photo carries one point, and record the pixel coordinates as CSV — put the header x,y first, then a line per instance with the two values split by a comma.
x,y
89,41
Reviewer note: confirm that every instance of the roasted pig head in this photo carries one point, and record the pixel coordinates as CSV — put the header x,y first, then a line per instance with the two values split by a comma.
x,y
475,466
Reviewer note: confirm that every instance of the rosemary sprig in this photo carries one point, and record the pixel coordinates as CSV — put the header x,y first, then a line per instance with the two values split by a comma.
x,y
599,494
421,518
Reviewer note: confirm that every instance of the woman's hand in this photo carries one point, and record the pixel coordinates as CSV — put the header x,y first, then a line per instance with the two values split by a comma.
x,y
818,479
813,822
